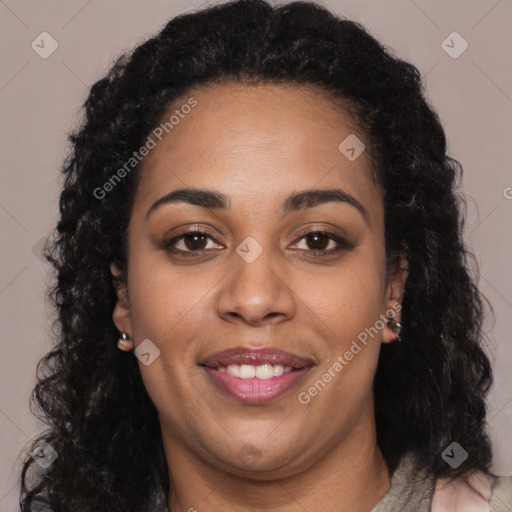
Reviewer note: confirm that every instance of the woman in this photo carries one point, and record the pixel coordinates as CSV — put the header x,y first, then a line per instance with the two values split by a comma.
x,y
260,207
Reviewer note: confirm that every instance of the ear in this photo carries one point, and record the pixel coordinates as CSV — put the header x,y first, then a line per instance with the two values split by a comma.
x,y
121,313
394,295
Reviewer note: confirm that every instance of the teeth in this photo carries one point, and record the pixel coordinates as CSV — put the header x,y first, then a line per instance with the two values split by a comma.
x,y
278,370
234,369
247,371
265,371
262,371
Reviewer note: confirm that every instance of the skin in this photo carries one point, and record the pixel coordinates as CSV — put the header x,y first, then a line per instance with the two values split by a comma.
x,y
257,145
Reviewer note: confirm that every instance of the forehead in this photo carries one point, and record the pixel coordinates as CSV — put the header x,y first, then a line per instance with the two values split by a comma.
x,y
257,141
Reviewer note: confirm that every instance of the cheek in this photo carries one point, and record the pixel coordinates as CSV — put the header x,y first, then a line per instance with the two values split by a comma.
x,y
346,299
166,307
164,300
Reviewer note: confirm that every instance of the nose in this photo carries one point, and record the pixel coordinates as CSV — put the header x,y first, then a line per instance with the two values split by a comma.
x,y
256,293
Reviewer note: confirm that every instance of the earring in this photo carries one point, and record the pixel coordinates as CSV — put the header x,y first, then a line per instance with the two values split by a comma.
x,y
124,342
397,327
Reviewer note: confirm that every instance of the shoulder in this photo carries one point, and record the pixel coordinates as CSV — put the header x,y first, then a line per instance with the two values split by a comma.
x,y
501,498
477,492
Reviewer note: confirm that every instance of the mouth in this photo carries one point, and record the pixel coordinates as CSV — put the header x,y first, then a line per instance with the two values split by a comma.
x,y
256,376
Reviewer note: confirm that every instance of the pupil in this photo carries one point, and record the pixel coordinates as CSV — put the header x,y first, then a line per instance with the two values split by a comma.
x,y
196,238
315,237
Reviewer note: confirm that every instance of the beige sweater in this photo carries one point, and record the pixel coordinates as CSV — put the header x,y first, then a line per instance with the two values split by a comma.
x,y
412,490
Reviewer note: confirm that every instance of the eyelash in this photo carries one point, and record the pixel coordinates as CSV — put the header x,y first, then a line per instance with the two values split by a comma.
x,y
342,243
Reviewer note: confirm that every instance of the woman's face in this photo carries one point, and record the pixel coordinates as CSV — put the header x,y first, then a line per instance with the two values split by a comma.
x,y
254,279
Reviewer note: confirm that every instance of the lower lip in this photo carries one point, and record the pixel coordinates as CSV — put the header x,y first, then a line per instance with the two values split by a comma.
x,y
255,391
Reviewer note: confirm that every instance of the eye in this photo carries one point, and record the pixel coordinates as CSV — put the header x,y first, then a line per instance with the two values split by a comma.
x,y
191,241
323,243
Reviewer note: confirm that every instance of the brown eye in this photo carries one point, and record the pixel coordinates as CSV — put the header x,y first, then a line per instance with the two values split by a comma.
x,y
323,243
195,241
191,243
317,241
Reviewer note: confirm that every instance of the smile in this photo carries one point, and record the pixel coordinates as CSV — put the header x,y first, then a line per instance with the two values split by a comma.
x,y
256,377
262,371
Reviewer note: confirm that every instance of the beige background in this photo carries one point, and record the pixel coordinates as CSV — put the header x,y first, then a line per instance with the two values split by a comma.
x,y
39,102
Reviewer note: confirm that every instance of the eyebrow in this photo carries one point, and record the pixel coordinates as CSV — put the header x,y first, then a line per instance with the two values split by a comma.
x,y
215,200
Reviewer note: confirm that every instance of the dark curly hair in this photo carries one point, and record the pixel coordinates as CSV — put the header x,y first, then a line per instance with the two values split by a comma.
x,y
429,390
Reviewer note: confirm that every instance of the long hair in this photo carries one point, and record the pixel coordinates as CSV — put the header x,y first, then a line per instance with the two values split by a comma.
x,y
429,389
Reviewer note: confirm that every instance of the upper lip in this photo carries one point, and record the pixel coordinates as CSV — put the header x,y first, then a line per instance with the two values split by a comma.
x,y
253,356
